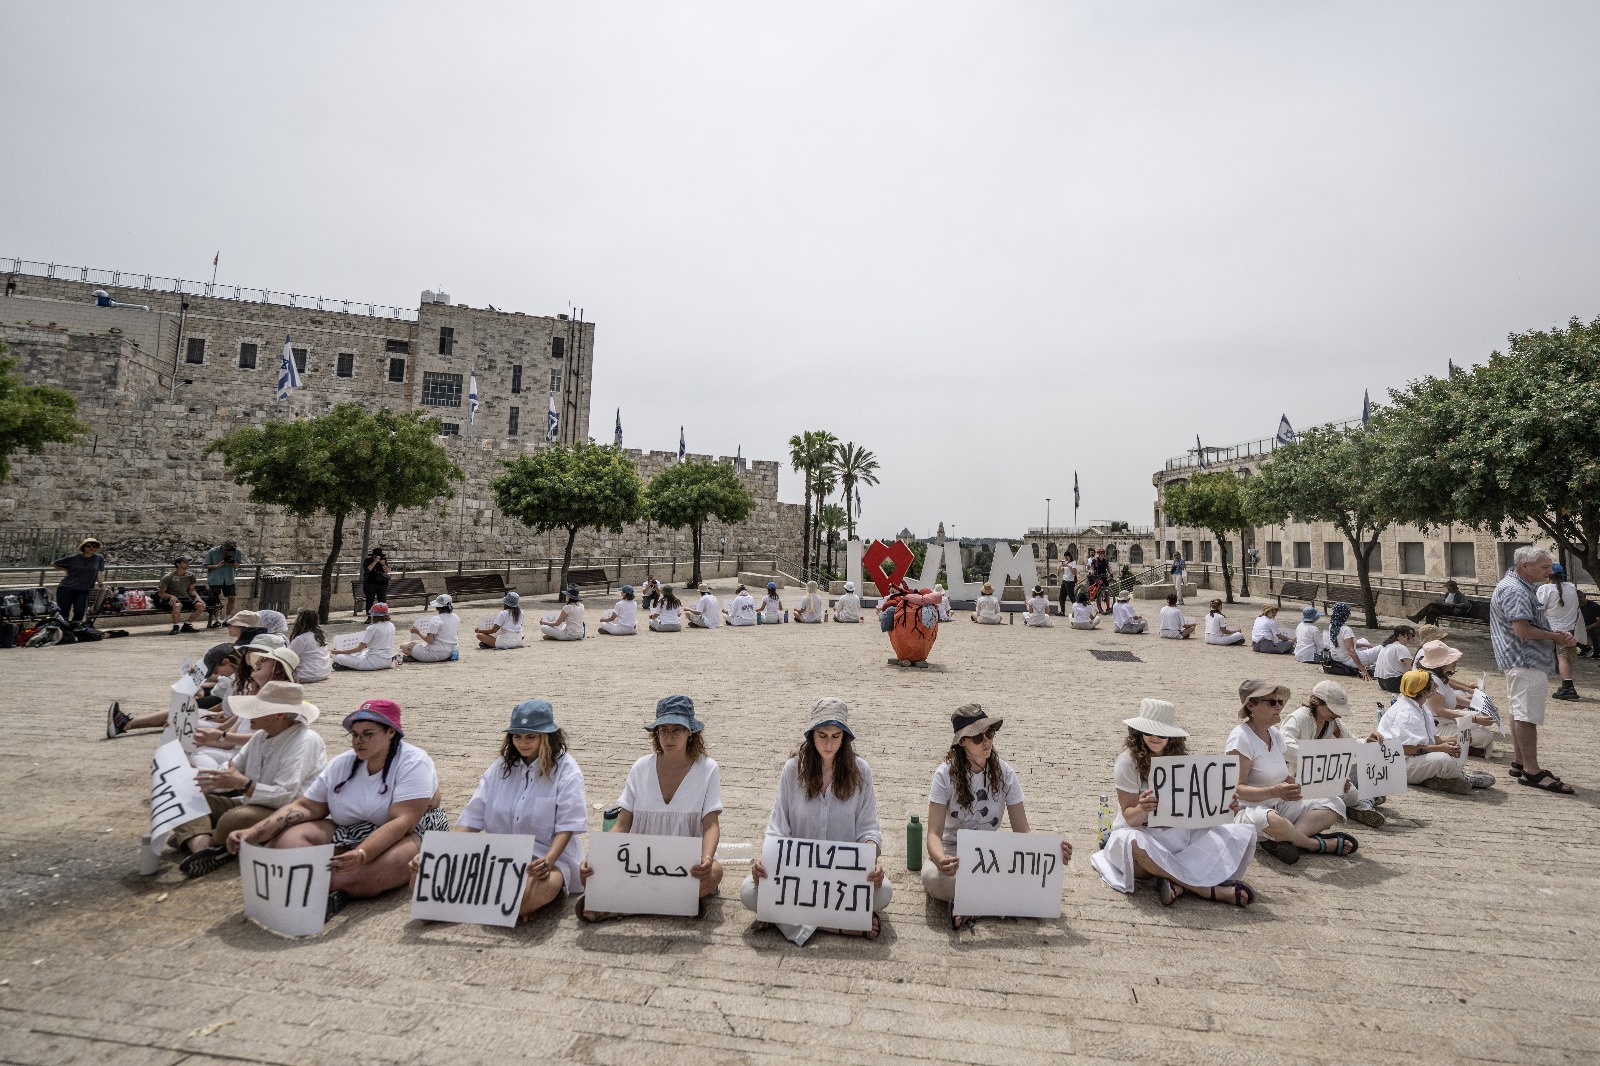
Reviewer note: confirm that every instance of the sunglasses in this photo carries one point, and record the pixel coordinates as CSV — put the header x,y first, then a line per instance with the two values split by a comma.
x,y
987,734
1270,701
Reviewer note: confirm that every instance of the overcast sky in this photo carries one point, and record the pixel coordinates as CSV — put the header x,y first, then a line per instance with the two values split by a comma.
x,y
993,242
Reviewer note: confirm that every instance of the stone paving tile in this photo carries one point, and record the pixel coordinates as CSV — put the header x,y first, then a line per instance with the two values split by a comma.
x,y
1462,933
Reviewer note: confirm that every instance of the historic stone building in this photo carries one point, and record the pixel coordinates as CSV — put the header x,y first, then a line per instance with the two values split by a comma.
x,y
162,367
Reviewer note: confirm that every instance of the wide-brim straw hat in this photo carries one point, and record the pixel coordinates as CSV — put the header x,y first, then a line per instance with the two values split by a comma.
x,y
970,720
1436,654
275,697
1157,717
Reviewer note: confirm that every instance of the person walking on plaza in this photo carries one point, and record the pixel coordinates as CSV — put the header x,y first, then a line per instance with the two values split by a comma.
x,y
1559,598
1525,648
177,592
1069,581
1179,571
86,571
222,574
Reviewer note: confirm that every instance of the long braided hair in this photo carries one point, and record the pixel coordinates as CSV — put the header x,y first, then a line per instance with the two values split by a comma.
x,y
388,761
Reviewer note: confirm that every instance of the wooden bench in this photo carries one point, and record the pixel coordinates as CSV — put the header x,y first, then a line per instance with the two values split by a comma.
x,y
1350,594
463,587
592,577
407,589
1298,590
1477,616
213,605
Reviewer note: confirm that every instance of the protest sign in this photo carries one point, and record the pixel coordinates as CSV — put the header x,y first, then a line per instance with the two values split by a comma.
x,y
1380,770
1193,791
1324,767
635,874
286,889
175,795
471,877
820,883
1013,875
1482,704
183,713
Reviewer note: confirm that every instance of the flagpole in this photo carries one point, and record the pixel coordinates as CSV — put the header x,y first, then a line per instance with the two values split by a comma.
x,y
472,415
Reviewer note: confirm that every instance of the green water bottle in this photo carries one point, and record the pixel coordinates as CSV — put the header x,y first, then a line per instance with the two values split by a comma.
x,y
914,843
611,816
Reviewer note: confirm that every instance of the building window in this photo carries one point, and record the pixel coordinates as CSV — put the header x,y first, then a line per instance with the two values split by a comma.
x,y
1462,559
403,347
516,420
1274,553
450,429
516,377
1413,560
1136,555
1171,547
247,356
1333,555
1375,560
1302,555
1205,551
397,370
1508,553
441,390
345,365
1111,552
558,347
299,359
447,340
555,379
1188,549
196,352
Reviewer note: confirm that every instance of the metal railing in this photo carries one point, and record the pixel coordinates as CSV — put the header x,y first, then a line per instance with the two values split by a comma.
x,y
1093,529
246,294
1232,453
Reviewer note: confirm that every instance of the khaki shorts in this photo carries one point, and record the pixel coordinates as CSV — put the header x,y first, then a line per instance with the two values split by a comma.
x,y
1527,690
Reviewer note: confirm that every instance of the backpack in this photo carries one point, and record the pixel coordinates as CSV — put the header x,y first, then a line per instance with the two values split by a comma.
x,y
8,634
135,600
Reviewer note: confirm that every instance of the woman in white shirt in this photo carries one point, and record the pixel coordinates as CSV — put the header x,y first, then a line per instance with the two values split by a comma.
x,y
741,610
1084,616
944,602
705,613
1394,658
375,649
1449,700
809,609
1266,636
847,608
274,622
825,793
1038,612
567,623
772,609
534,788
435,634
1309,641
987,610
675,792
372,803
971,789
1124,619
1321,717
1350,658
1198,861
668,618
1431,760
1174,624
1270,799
1563,613
309,643
623,619
504,629
1218,631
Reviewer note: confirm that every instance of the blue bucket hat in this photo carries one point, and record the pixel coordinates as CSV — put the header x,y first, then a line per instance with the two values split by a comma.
x,y
533,716
676,710
1558,571
627,589
572,595
511,599
772,586
1310,614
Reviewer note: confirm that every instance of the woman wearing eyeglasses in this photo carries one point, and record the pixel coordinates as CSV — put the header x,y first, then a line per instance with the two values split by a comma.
x,y
972,789
1269,797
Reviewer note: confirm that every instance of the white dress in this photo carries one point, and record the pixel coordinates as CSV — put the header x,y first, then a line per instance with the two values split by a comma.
x,y
847,608
379,653
699,794
1038,613
444,628
626,624
1199,857
1269,765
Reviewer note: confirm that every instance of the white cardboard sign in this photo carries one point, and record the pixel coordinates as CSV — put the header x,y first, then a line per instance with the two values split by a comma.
x,y
1325,767
820,883
175,795
183,713
1193,791
638,874
1380,769
286,889
471,877
1014,875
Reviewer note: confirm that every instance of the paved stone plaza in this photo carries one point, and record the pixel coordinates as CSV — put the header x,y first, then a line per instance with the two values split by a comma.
x,y
1462,932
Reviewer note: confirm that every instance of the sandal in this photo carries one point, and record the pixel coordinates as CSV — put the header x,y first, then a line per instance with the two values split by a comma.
x,y
960,921
1545,781
1516,770
1169,890
1243,894
865,934
1281,850
591,917
1343,843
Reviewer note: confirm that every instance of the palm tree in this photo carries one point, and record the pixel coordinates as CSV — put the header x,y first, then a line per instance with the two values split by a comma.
x,y
822,484
809,452
856,466
831,518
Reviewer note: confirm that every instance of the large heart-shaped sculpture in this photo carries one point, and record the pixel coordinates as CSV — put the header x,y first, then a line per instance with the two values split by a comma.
x,y
877,553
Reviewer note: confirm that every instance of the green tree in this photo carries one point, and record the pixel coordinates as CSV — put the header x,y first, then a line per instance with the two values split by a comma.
x,y
570,487
345,462
32,416
809,453
1331,474
822,487
1216,502
694,492
1515,442
856,466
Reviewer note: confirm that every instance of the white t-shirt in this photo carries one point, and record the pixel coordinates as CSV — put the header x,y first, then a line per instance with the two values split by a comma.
x,y
1122,613
379,639
669,616
316,663
365,797
1308,641
1038,606
847,608
1125,776
710,614
1336,646
1070,571
573,626
1269,762
627,613
1083,612
988,608
1393,660
699,794
443,628
1264,629
507,623
771,606
986,810
810,607
1172,620
1214,624
742,611
1568,618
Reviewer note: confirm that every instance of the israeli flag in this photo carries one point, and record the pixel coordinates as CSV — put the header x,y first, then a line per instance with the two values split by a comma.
x,y
1201,453
619,427
288,372
1366,406
1285,431
858,501
682,451
472,396
1075,496
554,422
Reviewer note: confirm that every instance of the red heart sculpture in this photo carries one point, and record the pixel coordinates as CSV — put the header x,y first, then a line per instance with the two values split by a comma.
x,y
896,552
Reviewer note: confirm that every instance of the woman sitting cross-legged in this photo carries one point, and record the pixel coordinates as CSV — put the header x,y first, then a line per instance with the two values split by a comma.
x,y
567,623
1270,799
1197,861
1218,631
986,611
809,609
1394,658
972,789
1038,612
434,638
1432,760
372,803
825,793
675,792
375,649
1084,616
308,642
1321,717
1267,637
533,788
623,619
667,618
505,629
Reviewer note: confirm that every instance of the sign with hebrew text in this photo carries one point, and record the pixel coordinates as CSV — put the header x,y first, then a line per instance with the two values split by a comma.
x,y
286,889
820,883
638,874
471,877
175,795
1014,875
1325,767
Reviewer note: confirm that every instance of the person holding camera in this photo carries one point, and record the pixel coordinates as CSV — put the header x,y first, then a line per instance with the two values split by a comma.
x,y
222,573
375,579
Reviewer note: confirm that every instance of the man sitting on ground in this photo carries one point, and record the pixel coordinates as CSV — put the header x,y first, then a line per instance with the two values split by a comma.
x,y
176,591
1125,618
847,608
1175,625
704,612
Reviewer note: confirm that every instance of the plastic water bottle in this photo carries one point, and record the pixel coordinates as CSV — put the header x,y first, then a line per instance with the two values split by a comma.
x,y
1105,820
914,843
612,814
455,654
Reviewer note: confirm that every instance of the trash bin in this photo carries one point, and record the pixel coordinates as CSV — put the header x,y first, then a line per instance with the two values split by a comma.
x,y
274,594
